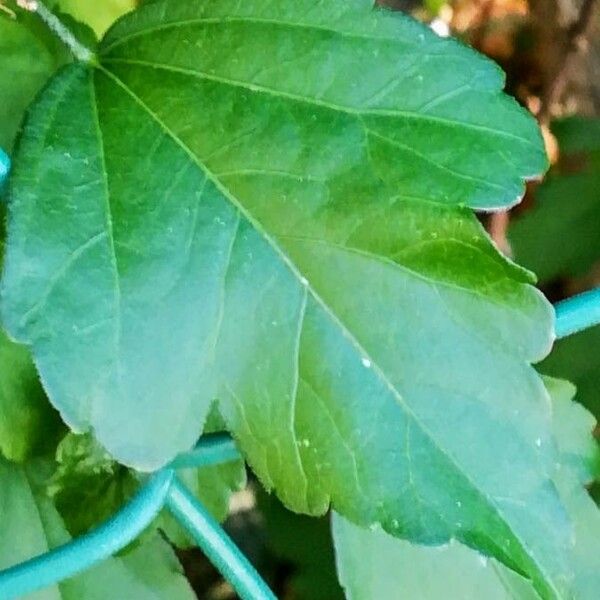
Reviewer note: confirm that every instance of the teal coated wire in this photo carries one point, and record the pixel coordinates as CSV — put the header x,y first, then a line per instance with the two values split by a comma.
x,y
100,543
212,449
215,544
577,313
4,167
206,531
131,520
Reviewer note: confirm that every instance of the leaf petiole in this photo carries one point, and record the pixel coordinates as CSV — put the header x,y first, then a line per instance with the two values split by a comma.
x,y
8,11
79,51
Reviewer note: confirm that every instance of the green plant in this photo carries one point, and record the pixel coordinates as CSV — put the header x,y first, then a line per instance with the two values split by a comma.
x,y
266,209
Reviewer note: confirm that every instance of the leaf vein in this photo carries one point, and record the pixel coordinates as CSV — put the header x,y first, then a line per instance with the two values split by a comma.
x,y
253,87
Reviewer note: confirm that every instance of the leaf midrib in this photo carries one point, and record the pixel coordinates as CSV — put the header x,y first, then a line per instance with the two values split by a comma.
x,y
345,331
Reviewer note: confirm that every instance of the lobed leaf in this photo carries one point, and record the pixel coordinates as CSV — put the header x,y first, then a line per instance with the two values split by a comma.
x,y
261,202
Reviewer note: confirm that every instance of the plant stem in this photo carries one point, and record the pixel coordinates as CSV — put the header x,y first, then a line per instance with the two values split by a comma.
x,y
79,51
8,11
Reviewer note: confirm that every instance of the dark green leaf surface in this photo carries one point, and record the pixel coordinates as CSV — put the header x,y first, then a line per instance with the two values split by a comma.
x,y
29,55
577,134
88,486
559,236
30,525
305,544
338,75
28,423
372,564
244,202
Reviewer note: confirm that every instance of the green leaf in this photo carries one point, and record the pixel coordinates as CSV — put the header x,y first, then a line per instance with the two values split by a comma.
x,y
573,426
586,554
567,208
88,486
242,201
30,525
154,564
372,564
28,423
577,134
348,67
579,464
29,55
577,358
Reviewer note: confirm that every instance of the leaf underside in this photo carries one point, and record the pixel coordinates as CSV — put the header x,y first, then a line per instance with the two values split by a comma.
x,y
266,204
